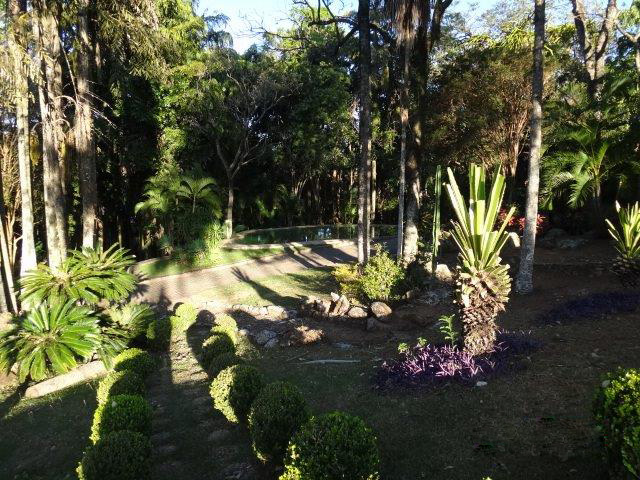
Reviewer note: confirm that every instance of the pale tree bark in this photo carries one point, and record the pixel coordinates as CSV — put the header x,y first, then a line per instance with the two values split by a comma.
x,y
49,92
364,178
594,53
635,41
5,259
524,280
84,133
17,45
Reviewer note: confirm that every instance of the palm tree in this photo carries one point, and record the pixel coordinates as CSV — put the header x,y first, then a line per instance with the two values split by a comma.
x,y
483,282
199,190
524,281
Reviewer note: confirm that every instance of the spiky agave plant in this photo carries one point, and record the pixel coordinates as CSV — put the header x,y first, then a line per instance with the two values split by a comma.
x,y
483,282
627,242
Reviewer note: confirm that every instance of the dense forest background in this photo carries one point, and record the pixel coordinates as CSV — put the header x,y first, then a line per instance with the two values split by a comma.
x,y
135,121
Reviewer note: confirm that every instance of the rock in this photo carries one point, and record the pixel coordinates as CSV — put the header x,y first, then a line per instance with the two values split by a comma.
x,y
481,384
570,243
606,383
243,332
430,298
357,312
375,325
340,306
303,335
443,273
322,306
271,343
264,336
263,311
381,310
276,312
308,304
335,297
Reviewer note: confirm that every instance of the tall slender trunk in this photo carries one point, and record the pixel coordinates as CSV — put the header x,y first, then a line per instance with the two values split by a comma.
x,y
17,47
5,259
49,91
364,180
85,141
404,125
228,223
374,190
524,280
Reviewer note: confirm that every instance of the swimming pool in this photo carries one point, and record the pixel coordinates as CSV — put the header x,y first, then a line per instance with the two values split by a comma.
x,y
309,234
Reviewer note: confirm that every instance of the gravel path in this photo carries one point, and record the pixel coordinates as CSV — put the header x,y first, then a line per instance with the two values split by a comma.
x,y
166,291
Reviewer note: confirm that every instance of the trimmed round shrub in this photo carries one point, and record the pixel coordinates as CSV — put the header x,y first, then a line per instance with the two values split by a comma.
x,y
226,321
234,390
224,330
333,446
245,349
276,414
216,344
222,361
617,412
121,412
119,383
136,360
159,334
187,312
120,455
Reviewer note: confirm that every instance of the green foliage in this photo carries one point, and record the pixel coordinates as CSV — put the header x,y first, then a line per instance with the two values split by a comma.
x,y
617,412
135,360
347,276
333,446
159,334
447,329
50,339
121,412
133,318
89,275
276,414
119,383
121,455
627,237
234,390
222,361
184,316
216,344
381,277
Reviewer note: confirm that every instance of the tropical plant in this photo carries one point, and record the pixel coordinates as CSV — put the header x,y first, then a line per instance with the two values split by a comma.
x,y
483,283
89,276
132,318
200,190
627,243
50,339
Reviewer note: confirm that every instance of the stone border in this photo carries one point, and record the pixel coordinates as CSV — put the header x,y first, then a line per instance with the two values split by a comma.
x,y
81,374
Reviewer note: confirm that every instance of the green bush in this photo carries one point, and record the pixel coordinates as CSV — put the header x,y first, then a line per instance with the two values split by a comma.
x,y
222,361
382,277
121,412
347,276
132,319
120,455
617,413
184,316
333,446
136,360
234,389
159,334
119,383
227,325
216,344
276,414
245,349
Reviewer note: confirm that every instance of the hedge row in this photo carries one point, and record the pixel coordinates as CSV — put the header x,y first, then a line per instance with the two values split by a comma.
x,y
330,446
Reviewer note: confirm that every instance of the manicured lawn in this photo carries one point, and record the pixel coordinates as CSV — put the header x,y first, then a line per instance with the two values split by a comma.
x,y
162,267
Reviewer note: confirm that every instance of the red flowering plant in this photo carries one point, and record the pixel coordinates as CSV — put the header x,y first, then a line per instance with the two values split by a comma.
x,y
517,222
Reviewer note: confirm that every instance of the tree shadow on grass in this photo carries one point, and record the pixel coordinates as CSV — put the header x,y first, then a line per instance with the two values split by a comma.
x,y
12,400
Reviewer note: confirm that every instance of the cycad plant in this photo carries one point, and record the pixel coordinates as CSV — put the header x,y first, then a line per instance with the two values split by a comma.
x,y
89,276
483,282
49,340
627,243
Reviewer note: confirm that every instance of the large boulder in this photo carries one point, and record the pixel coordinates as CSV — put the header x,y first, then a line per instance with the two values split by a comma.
x,y
339,306
381,310
443,273
357,312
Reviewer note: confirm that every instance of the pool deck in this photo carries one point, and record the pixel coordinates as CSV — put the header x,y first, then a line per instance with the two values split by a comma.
x,y
166,291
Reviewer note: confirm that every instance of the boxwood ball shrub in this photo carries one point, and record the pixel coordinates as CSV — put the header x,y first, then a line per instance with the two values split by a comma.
x,y
118,383
159,334
122,455
234,390
216,344
184,316
136,360
121,412
617,413
276,414
222,361
333,446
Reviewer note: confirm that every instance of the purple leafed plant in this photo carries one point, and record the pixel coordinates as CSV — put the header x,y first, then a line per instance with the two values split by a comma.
x,y
432,364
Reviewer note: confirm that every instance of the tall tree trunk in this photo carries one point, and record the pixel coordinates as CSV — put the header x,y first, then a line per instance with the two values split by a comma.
x,y
85,141
364,180
5,259
374,190
48,49
404,125
228,223
524,280
17,47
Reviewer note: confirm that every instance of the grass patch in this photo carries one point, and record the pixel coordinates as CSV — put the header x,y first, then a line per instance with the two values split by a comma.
x,y
285,290
163,267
